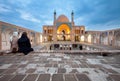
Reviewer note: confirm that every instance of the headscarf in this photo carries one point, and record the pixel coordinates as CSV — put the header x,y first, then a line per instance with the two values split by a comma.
x,y
24,37
15,33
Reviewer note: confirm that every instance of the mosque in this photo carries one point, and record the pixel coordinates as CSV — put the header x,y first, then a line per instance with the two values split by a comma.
x,y
63,29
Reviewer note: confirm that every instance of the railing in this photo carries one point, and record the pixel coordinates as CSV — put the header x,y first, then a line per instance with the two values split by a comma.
x,y
100,52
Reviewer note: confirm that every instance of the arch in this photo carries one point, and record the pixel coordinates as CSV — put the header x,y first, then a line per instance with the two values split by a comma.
x,y
63,27
89,38
117,38
3,36
5,40
76,38
63,33
82,39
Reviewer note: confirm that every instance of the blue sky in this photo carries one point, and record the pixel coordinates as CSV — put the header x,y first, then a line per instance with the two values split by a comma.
x,y
33,14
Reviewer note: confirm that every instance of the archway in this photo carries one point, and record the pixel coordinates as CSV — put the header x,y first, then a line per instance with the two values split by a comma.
x,y
49,38
63,32
89,38
82,38
63,27
5,40
76,38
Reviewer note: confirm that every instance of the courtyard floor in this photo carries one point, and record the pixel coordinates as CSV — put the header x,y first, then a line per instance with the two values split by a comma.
x,y
59,67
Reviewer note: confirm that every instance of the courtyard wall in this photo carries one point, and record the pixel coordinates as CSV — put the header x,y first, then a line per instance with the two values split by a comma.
x,y
6,31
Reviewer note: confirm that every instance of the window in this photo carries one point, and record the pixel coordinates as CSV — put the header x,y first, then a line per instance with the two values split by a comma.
x,y
82,31
45,31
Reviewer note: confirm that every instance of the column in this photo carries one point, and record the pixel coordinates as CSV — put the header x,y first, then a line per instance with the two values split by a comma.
x,y
72,35
108,38
72,18
54,18
55,34
113,37
35,38
98,38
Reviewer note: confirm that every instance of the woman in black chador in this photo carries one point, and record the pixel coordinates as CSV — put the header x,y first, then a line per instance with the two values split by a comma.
x,y
24,45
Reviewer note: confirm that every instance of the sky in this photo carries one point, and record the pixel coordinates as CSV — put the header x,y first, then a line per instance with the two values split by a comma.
x,y
33,14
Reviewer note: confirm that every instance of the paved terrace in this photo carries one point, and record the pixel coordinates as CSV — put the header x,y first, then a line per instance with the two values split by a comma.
x,y
59,67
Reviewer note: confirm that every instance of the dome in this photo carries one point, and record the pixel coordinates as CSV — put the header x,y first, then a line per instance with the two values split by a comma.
x,y
62,18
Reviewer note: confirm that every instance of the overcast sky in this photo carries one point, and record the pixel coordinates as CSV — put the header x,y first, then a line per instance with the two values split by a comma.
x,y
33,14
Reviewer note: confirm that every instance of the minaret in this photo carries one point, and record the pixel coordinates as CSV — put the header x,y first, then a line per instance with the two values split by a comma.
x,y
72,22
72,18
54,30
54,17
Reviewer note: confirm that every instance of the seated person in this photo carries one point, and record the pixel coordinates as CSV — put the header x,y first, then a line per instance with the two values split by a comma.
x,y
14,44
24,45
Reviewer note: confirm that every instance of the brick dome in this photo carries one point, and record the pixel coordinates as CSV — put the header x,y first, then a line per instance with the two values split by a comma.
x,y
62,18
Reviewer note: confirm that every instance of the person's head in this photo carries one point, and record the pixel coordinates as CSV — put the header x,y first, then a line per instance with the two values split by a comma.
x,y
15,33
24,34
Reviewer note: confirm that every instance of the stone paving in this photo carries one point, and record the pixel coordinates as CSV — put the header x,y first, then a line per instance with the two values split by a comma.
x,y
59,67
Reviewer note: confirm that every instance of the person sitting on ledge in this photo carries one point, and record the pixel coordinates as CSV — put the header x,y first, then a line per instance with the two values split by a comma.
x,y
24,45
13,41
